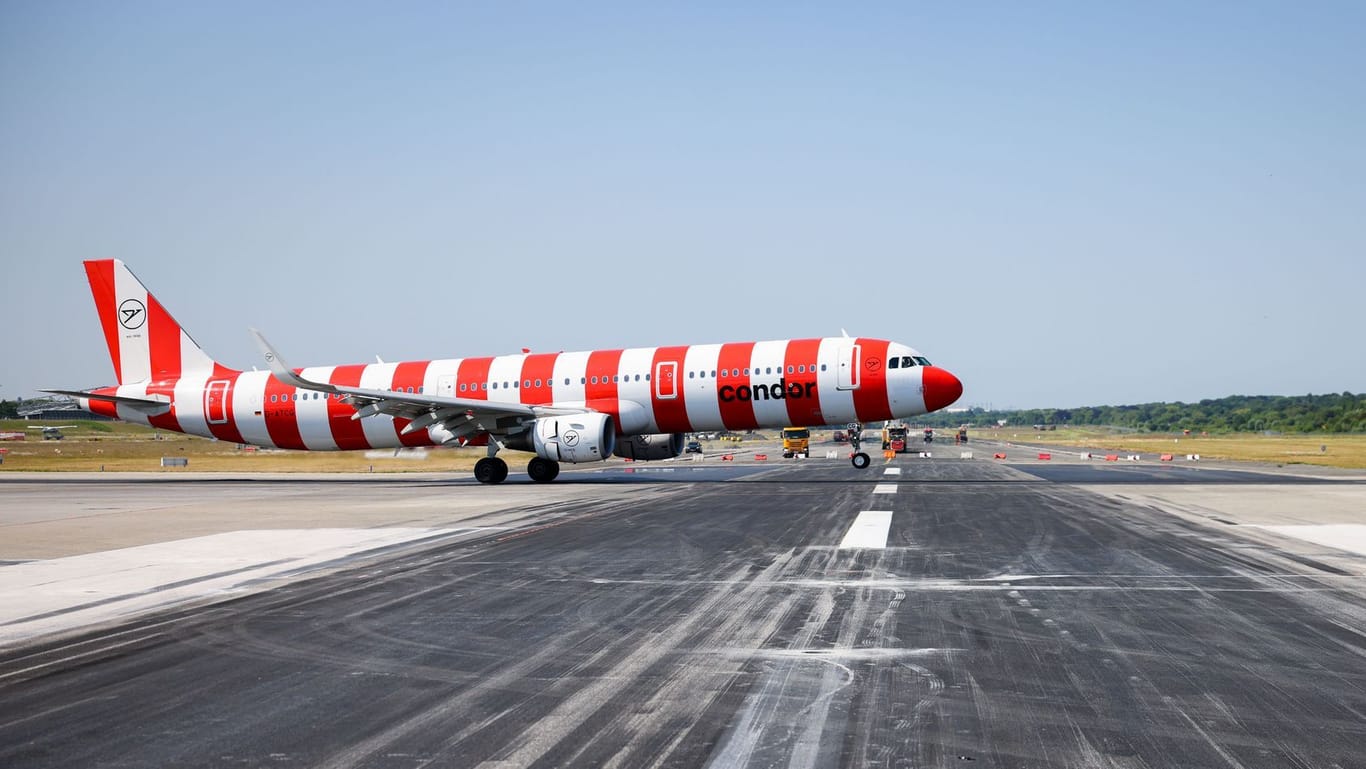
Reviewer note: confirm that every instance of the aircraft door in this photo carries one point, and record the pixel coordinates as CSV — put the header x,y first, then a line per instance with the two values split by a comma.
x,y
216,402
849,359
666,380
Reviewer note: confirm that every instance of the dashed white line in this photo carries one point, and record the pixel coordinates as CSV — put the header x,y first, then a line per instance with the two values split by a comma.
x,y
870,530
885,488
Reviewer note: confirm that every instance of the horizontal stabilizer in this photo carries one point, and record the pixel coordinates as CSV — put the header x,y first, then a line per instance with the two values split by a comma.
x,y
152,405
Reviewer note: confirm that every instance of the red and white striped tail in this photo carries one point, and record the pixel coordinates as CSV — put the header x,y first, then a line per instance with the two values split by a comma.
x,y
145,343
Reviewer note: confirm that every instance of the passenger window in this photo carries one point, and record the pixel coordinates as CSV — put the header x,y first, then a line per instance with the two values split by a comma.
x,y
495,385
735,372
746,372
483,385
791,369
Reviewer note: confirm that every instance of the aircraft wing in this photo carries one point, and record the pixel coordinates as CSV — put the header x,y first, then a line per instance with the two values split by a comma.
x,y
463,417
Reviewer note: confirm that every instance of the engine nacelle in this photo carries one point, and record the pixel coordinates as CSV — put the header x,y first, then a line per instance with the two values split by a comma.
x,y
657,446
589,437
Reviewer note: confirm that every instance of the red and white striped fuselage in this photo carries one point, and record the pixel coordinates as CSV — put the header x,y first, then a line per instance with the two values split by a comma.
x,y
732,386
563,407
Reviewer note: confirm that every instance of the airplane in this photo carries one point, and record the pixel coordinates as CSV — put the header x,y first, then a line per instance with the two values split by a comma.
x,y
53,432
563,407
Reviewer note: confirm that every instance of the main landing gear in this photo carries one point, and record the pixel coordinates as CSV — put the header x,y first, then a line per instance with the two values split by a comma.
x,y
490,470
494,470
859,459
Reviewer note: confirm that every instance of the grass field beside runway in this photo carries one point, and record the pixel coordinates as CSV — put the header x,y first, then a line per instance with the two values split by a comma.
x,y
1325,450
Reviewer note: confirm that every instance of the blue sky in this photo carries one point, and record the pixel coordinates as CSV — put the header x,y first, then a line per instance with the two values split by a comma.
x,y
1064,203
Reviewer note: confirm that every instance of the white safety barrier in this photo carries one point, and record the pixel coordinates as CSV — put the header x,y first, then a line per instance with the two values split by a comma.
x,y
832,455
1133,457
965,455
1193,457
1084,455
924,455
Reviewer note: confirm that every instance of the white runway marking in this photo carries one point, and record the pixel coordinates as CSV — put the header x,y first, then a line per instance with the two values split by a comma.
x,y
892,471
885,488
869,530
1343,536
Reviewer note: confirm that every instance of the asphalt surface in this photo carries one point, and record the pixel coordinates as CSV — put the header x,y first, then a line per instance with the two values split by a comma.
x,y
1013,620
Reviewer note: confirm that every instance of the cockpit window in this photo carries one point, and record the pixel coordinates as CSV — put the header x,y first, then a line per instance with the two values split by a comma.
x,y
923,361
894,363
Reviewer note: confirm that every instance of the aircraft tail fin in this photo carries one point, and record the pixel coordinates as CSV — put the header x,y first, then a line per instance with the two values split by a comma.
x,y
145,343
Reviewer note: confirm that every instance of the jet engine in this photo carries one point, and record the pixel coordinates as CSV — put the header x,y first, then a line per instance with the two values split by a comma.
x,y
588,437
657,446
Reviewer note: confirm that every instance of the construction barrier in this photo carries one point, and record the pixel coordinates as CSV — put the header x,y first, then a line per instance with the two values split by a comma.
x,y
1165,458
998,455
175,461
965,455
1045,456
889,455
727,457
760,457
1111,457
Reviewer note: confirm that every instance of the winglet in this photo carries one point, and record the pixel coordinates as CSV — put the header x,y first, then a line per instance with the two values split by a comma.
x,y
282,370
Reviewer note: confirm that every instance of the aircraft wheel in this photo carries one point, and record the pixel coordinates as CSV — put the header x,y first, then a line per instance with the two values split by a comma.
x,y
490,470
542,470
861,460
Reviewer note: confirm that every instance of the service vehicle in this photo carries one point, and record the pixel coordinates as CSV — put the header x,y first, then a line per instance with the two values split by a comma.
x,y
796,440
894,438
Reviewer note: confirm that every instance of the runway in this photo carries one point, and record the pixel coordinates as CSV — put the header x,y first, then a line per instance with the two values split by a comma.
x,y
983,614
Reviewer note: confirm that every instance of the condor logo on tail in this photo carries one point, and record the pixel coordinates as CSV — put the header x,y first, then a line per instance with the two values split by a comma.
x,y
762,392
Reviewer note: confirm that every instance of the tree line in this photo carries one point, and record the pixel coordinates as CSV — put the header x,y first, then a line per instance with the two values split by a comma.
x,y
1341,413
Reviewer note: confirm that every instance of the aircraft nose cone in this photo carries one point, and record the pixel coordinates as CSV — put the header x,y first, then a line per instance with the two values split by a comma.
x,y
941,388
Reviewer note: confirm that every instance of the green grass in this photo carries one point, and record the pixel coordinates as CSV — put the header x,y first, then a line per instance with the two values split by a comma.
x,y
1327,450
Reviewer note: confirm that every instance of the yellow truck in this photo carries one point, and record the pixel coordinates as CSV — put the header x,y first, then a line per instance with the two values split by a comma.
x,y
796,440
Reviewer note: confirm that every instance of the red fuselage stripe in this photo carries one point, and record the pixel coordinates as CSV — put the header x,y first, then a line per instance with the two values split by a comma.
x,y
348,433
732,369
806,410
670,413
281,415
870,398
408,377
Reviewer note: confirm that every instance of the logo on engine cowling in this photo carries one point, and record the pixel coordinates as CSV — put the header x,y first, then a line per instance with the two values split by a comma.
x,y
570,438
